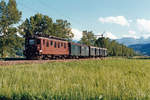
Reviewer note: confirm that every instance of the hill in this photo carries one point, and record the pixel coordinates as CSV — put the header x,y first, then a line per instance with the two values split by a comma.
x,y
141,48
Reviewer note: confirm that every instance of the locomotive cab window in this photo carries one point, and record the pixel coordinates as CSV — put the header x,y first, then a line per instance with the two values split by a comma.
x,y
31,42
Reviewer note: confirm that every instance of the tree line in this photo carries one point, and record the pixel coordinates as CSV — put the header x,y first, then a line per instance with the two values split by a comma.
x,y
13,34
113,47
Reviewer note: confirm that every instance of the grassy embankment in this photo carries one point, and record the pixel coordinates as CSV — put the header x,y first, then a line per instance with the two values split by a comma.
x,y
110,79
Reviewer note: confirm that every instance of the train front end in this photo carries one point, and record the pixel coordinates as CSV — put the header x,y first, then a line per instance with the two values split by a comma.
x,y
32,48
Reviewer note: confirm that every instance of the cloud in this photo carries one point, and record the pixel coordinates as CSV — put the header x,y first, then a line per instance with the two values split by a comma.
x,y
131,34
143,25
77,34
121,20
110,35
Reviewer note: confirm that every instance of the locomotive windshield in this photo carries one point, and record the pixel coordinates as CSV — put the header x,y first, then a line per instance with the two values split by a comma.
x,y
31,42
34,41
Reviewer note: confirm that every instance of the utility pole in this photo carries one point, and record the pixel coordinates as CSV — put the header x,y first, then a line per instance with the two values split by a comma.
x,y
102,35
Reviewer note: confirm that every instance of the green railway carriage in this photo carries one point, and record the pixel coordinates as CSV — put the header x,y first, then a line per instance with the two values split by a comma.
x,y
101,52
78,50
84,51
74,49
92,51
97,52
104,52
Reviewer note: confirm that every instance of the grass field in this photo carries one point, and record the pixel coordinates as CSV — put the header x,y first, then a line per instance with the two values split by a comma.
x,y
109,79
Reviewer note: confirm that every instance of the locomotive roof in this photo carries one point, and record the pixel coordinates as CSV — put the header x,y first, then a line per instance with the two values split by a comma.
x,y
48,37
51,37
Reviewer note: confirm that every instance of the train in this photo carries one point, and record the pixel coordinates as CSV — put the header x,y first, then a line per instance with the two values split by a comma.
x,y
50,47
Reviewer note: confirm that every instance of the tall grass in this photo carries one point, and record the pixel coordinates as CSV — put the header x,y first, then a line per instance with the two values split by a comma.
x,y
110,79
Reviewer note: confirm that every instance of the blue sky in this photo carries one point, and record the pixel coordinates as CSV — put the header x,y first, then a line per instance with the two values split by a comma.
x,y
118,18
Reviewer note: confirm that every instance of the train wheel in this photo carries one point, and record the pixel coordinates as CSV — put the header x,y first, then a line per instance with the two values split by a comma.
x,y
40,57
28,58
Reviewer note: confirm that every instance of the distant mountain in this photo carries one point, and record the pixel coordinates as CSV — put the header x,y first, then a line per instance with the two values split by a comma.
x,y
142,48
140,45
132,41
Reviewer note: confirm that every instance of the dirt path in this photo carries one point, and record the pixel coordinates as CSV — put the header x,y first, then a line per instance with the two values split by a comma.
x,y
16,62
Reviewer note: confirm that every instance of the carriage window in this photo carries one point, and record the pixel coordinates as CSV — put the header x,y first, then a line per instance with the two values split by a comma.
x,y
64,45
31,42
38,41
47,44
58,45
43,42
55,44
51,43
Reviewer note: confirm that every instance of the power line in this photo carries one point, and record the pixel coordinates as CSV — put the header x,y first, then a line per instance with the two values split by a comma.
x,y
59,12
28,7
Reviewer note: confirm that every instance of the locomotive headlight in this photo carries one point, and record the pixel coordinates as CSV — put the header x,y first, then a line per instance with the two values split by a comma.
x,y
41,51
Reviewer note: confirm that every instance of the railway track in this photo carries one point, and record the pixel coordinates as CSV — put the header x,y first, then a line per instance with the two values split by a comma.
x,y
10,62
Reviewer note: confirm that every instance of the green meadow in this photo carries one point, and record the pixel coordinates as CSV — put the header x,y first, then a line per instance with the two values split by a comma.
x,y
108,79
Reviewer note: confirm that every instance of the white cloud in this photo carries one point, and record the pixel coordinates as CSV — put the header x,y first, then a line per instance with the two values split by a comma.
x,y
131,36
132,32
143,25
77,34
121,20
110,35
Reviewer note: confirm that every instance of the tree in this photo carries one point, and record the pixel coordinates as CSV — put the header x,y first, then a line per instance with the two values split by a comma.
x,y
114,48
62,29
44,25
88,38
37,24
9,15
103,42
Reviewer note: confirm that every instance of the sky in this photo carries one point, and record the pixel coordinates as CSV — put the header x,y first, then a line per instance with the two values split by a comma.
x,y
115,18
